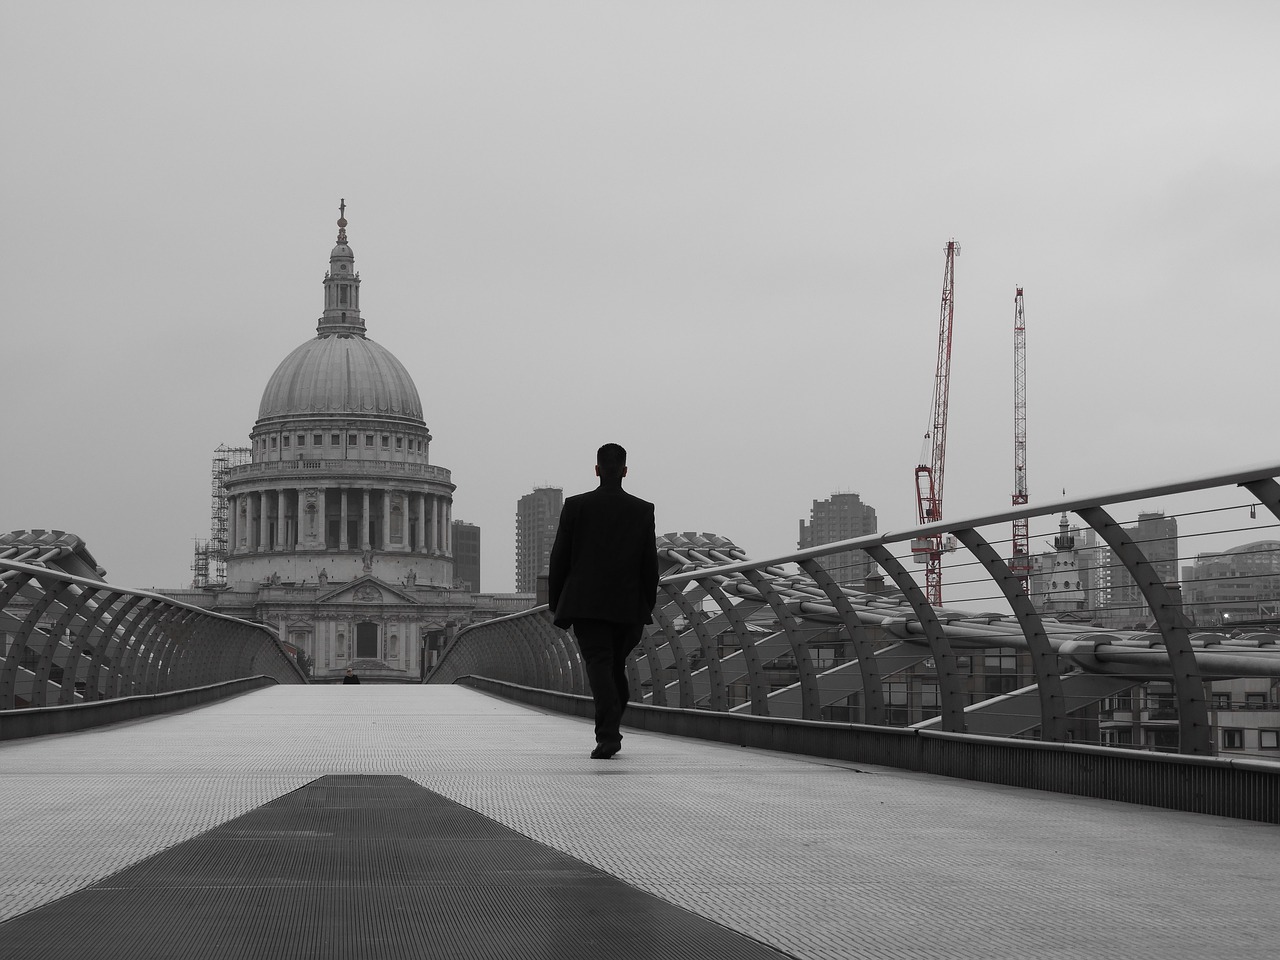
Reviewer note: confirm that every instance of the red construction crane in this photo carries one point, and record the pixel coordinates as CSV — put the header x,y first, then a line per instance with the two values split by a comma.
x,y
929,476
1020,563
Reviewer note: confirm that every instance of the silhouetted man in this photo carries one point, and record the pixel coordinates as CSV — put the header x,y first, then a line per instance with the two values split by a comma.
x,y
603,582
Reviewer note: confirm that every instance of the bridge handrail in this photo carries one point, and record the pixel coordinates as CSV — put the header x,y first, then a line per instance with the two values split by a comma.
x,y
66,638
1237,477
728,627
46,573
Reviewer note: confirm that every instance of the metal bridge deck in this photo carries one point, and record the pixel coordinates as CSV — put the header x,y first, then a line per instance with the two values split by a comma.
x,y
349,793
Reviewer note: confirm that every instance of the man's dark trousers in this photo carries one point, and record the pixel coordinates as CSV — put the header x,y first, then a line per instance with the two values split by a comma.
x,y
605,647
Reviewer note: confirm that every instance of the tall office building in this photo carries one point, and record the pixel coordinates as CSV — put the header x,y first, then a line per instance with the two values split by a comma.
x,y
1239,584
466,556
841,517
537,516
1123,604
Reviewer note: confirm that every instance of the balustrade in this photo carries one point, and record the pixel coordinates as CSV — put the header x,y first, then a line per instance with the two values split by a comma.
x,y
67,639
361,468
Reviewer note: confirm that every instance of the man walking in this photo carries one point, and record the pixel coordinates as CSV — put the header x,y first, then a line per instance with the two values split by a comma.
x,y
604,582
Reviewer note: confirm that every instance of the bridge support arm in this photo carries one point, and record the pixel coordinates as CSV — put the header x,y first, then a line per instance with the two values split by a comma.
x,y
1195,735
873,711
950,691
717,695
811,706
756,685
1044,661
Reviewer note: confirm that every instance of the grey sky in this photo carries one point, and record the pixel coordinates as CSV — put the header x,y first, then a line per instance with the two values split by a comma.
x,y
712,232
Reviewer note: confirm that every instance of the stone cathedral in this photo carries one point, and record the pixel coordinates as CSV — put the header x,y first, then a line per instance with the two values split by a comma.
x,y
339,525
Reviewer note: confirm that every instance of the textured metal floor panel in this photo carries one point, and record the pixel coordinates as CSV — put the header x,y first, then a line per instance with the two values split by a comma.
x,y
366,866
819,859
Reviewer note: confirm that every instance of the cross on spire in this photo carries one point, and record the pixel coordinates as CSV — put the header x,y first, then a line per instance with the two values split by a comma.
x,y
342,220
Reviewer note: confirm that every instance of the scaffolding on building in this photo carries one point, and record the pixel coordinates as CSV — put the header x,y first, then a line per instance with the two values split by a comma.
x,y
209,568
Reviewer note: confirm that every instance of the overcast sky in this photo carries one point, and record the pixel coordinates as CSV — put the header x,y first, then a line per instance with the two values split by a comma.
x,y
710,231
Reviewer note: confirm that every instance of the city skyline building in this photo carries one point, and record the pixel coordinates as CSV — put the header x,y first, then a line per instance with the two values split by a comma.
x,y
537,516
842,516
466,556
1120,600
1234,586
1060,583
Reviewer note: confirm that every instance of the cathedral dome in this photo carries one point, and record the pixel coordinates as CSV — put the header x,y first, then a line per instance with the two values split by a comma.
x,y
338,374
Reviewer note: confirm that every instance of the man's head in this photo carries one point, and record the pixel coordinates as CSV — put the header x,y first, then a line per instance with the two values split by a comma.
x,y
611,462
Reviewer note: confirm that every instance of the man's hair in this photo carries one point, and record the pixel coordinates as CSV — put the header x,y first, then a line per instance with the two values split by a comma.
x,y
612,461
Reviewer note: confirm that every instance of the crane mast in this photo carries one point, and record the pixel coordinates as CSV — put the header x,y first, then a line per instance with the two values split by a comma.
x,y
1020,564
930,475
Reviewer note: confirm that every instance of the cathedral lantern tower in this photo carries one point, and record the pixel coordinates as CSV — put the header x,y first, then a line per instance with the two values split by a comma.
x,y
340,485
342,286
1061,587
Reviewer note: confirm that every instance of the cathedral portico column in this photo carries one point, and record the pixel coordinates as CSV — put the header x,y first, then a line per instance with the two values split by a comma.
x,y
364,522
435,523
422,523
448,527
320,536
232,516
282,536
342,530
386,519
264,532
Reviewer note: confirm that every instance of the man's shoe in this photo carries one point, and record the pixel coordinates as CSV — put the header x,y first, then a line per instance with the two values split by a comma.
x,y
605,751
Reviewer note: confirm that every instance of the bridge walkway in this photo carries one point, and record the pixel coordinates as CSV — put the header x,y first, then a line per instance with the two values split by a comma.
x,y
802,857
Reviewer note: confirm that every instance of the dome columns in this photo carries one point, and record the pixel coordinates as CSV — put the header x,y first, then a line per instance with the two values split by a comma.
x,y
340,518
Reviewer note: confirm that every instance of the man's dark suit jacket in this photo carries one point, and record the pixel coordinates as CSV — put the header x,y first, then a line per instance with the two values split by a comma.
x,y
604,564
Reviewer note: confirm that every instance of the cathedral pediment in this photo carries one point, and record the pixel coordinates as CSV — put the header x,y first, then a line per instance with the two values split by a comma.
x,y
367,589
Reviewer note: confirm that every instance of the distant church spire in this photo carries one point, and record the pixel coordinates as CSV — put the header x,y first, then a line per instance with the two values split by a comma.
x,y
341,288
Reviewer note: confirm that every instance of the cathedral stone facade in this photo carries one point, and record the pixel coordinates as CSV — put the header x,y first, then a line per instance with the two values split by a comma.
x,y
339,526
